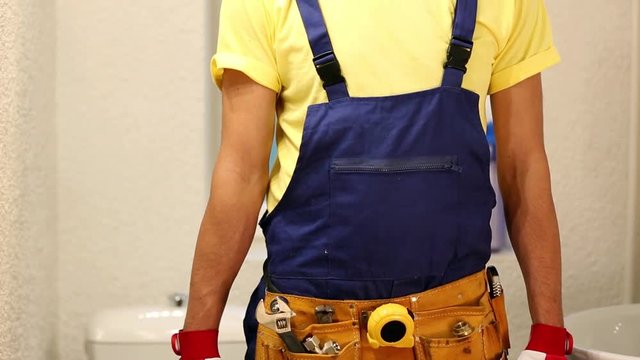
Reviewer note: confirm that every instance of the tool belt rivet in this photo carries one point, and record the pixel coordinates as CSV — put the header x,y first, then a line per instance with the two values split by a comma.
x,y
462,329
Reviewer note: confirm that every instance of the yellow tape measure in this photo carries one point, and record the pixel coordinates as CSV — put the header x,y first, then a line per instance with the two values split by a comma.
x,y
390,325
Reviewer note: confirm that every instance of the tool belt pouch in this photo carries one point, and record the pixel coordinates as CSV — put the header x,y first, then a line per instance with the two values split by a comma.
x,y
500,311
270,346
497,301
465,324
460,332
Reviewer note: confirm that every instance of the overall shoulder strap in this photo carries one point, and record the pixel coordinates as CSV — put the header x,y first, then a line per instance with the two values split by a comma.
x,y
461,45
324,59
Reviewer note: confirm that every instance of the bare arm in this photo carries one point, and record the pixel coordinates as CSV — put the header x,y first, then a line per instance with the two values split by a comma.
x,y
238,186
526,187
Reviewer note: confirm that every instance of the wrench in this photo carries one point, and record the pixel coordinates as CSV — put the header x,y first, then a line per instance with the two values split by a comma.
x,y
280,322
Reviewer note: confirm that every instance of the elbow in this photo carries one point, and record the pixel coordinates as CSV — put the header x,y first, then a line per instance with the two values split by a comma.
x,y
523,178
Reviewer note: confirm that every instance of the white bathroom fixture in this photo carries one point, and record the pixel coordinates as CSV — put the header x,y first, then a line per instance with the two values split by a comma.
x,y
141,333
609,333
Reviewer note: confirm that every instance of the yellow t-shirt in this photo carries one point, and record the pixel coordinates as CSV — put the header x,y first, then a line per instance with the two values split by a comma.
x,y
385,47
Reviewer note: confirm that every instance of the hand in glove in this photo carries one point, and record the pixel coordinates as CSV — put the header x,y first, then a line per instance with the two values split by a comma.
x,y
548,343
196,345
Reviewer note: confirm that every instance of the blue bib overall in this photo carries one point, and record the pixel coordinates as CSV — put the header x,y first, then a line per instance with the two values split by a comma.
x,y
390,195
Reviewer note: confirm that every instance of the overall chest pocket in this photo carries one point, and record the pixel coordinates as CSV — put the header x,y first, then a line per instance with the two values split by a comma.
x,y
385,211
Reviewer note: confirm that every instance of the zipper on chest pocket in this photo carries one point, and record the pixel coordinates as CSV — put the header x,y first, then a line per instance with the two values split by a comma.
x,y
390,166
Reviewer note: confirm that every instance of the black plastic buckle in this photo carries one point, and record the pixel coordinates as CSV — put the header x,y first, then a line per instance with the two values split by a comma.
x,y
458,56
328,69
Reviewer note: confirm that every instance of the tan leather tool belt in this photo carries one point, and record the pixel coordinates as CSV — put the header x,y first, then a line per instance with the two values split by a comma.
x,y
435,312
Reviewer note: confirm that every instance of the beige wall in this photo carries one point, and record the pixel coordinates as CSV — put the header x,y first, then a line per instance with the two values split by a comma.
x,y
214,110
27,180
588,114
635,163
133,90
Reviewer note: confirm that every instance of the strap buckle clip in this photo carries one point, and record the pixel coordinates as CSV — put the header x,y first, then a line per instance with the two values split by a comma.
x,y
328,68
458,54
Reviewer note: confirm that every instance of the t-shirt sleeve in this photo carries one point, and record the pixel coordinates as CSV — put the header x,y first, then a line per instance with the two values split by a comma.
x,y
529,48
245,43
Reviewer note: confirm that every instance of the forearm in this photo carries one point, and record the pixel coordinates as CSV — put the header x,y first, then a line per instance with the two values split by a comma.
x,y
533,228
225,236
237,190
525,183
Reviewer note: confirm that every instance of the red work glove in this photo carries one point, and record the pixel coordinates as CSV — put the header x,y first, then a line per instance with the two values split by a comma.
x,y
548,343
196,345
